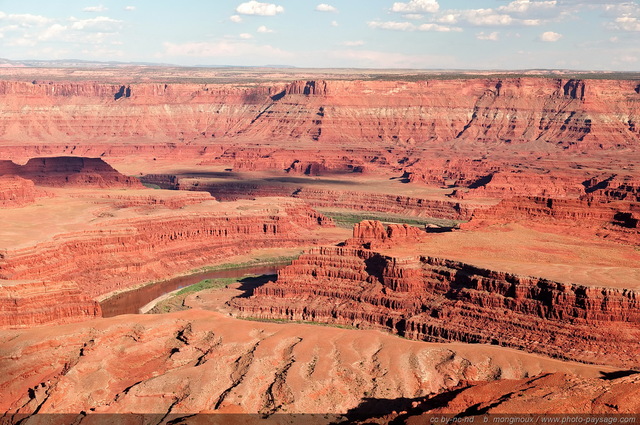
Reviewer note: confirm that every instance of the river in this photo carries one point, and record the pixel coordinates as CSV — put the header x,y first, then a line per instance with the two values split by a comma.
x,y
130,302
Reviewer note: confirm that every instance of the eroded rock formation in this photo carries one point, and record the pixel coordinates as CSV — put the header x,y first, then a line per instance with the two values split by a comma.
x,y
533,399
203,362
70,172
435,299
29,303
614,220
568,113
118,253
16,191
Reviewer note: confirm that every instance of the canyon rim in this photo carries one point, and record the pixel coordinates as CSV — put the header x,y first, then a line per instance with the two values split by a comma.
x,y
373,233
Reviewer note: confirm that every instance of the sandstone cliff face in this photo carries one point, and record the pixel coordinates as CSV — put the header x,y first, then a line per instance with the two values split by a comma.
x,y
126,252
435,299
16,191
613,220
29,303
510,184
572,114
71,269
70,172
320,198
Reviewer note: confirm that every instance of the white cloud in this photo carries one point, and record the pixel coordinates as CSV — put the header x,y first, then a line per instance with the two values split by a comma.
x,y
129,8
323,7
550,36
449,18
256,8
438,28
224,49
263,29
408,26
524,6
334,23
353,43
27,20
628,23
413,16
31,30
392,25
235,18
625,8
97,9
54,31
21,42
486,17
377,59
416,6
628,59
245,36
101,24
492,36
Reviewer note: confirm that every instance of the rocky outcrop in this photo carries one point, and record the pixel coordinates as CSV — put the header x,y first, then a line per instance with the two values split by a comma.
x,y
149,199
121,253
435,299
613,220
502,185
234,190
545,398
612,188
55,278
548,394
320,198
592,114
70,172
16,192
373,234
29,303
197,361
385,203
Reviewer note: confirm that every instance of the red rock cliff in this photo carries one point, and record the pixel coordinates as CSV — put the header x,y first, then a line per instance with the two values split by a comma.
x,y
70,171
28,303
16,191
573,114
120,253
435,299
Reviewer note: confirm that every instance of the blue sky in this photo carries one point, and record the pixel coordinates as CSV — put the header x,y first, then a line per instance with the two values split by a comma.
x,y
428,34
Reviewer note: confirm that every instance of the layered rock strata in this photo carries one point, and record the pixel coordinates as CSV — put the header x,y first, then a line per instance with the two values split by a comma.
x,y
70,172
203,362
321,198
434,299
16,192
569,113
29,303
70,269
613,220
125,252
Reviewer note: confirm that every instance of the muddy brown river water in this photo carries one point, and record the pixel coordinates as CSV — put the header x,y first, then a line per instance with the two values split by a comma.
x,y
130,302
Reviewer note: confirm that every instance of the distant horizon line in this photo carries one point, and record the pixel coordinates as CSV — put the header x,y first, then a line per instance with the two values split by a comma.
x,y
33,63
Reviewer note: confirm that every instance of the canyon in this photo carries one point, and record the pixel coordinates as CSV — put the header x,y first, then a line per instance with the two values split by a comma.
x,y
522,275
366,282
197,361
